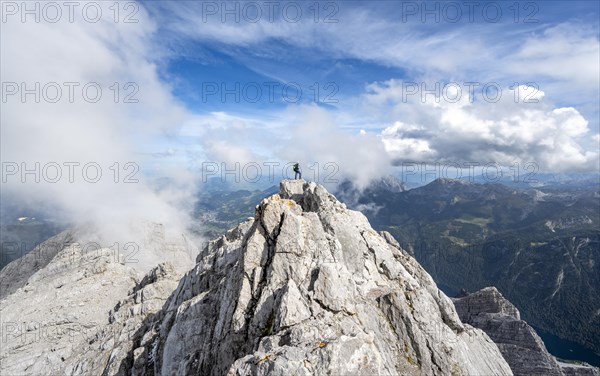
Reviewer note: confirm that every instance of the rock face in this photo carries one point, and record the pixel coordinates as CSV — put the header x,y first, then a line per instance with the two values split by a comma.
x,y
520,345
16,273
70,307
57,309
115,349
307,287
569,369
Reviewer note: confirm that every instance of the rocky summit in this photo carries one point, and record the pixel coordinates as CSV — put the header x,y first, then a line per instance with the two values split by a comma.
x,y
306,287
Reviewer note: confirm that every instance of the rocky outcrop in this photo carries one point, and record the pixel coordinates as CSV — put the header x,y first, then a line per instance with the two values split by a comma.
x,y
73,307
520,345
59,308
16,273
569,369
115,349
485,303
307,287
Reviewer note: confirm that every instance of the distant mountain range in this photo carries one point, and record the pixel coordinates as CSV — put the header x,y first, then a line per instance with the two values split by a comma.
x,y
219,211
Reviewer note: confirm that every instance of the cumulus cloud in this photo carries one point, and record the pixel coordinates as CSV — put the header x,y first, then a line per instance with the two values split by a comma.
x,y
327,151
471,129
315,137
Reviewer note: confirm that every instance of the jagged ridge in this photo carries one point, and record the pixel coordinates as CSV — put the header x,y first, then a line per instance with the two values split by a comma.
x,y
520,345
308,287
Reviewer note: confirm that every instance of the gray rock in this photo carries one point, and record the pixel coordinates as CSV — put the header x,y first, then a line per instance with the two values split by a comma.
x,y
585,369
488,300
520,345
118,349
59,311
16,273
307,287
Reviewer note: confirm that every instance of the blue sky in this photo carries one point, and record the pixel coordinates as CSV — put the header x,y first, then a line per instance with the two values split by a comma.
x,y
372,61
354,68
310,52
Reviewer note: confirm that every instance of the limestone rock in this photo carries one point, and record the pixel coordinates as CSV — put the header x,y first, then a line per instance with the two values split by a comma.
x,y
307,287
520,345
59,304
16,273
59,309
118,348
569,369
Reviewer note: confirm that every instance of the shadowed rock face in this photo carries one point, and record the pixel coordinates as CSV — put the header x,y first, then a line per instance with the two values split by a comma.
x,y
520,345
578,370
307,287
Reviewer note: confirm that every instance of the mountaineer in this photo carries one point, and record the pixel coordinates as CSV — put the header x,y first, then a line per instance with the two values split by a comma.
x,y
297,170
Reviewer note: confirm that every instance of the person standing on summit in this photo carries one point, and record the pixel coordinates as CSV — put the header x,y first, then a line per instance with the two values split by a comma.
x,y
297,170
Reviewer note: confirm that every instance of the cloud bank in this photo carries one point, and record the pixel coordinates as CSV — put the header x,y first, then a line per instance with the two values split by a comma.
x,y
483,129
100,103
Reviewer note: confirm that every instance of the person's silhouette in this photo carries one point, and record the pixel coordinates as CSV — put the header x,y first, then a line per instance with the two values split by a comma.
x,y
297,170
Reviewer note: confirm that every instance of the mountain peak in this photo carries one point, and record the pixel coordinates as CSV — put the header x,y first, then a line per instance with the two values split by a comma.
x,y
311,197
524,350
308,287
447,181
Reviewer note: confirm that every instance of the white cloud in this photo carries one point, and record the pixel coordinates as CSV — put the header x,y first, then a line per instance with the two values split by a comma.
x,y
223,151
564,52
502,132
104,132
314,136
311,135
398,140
